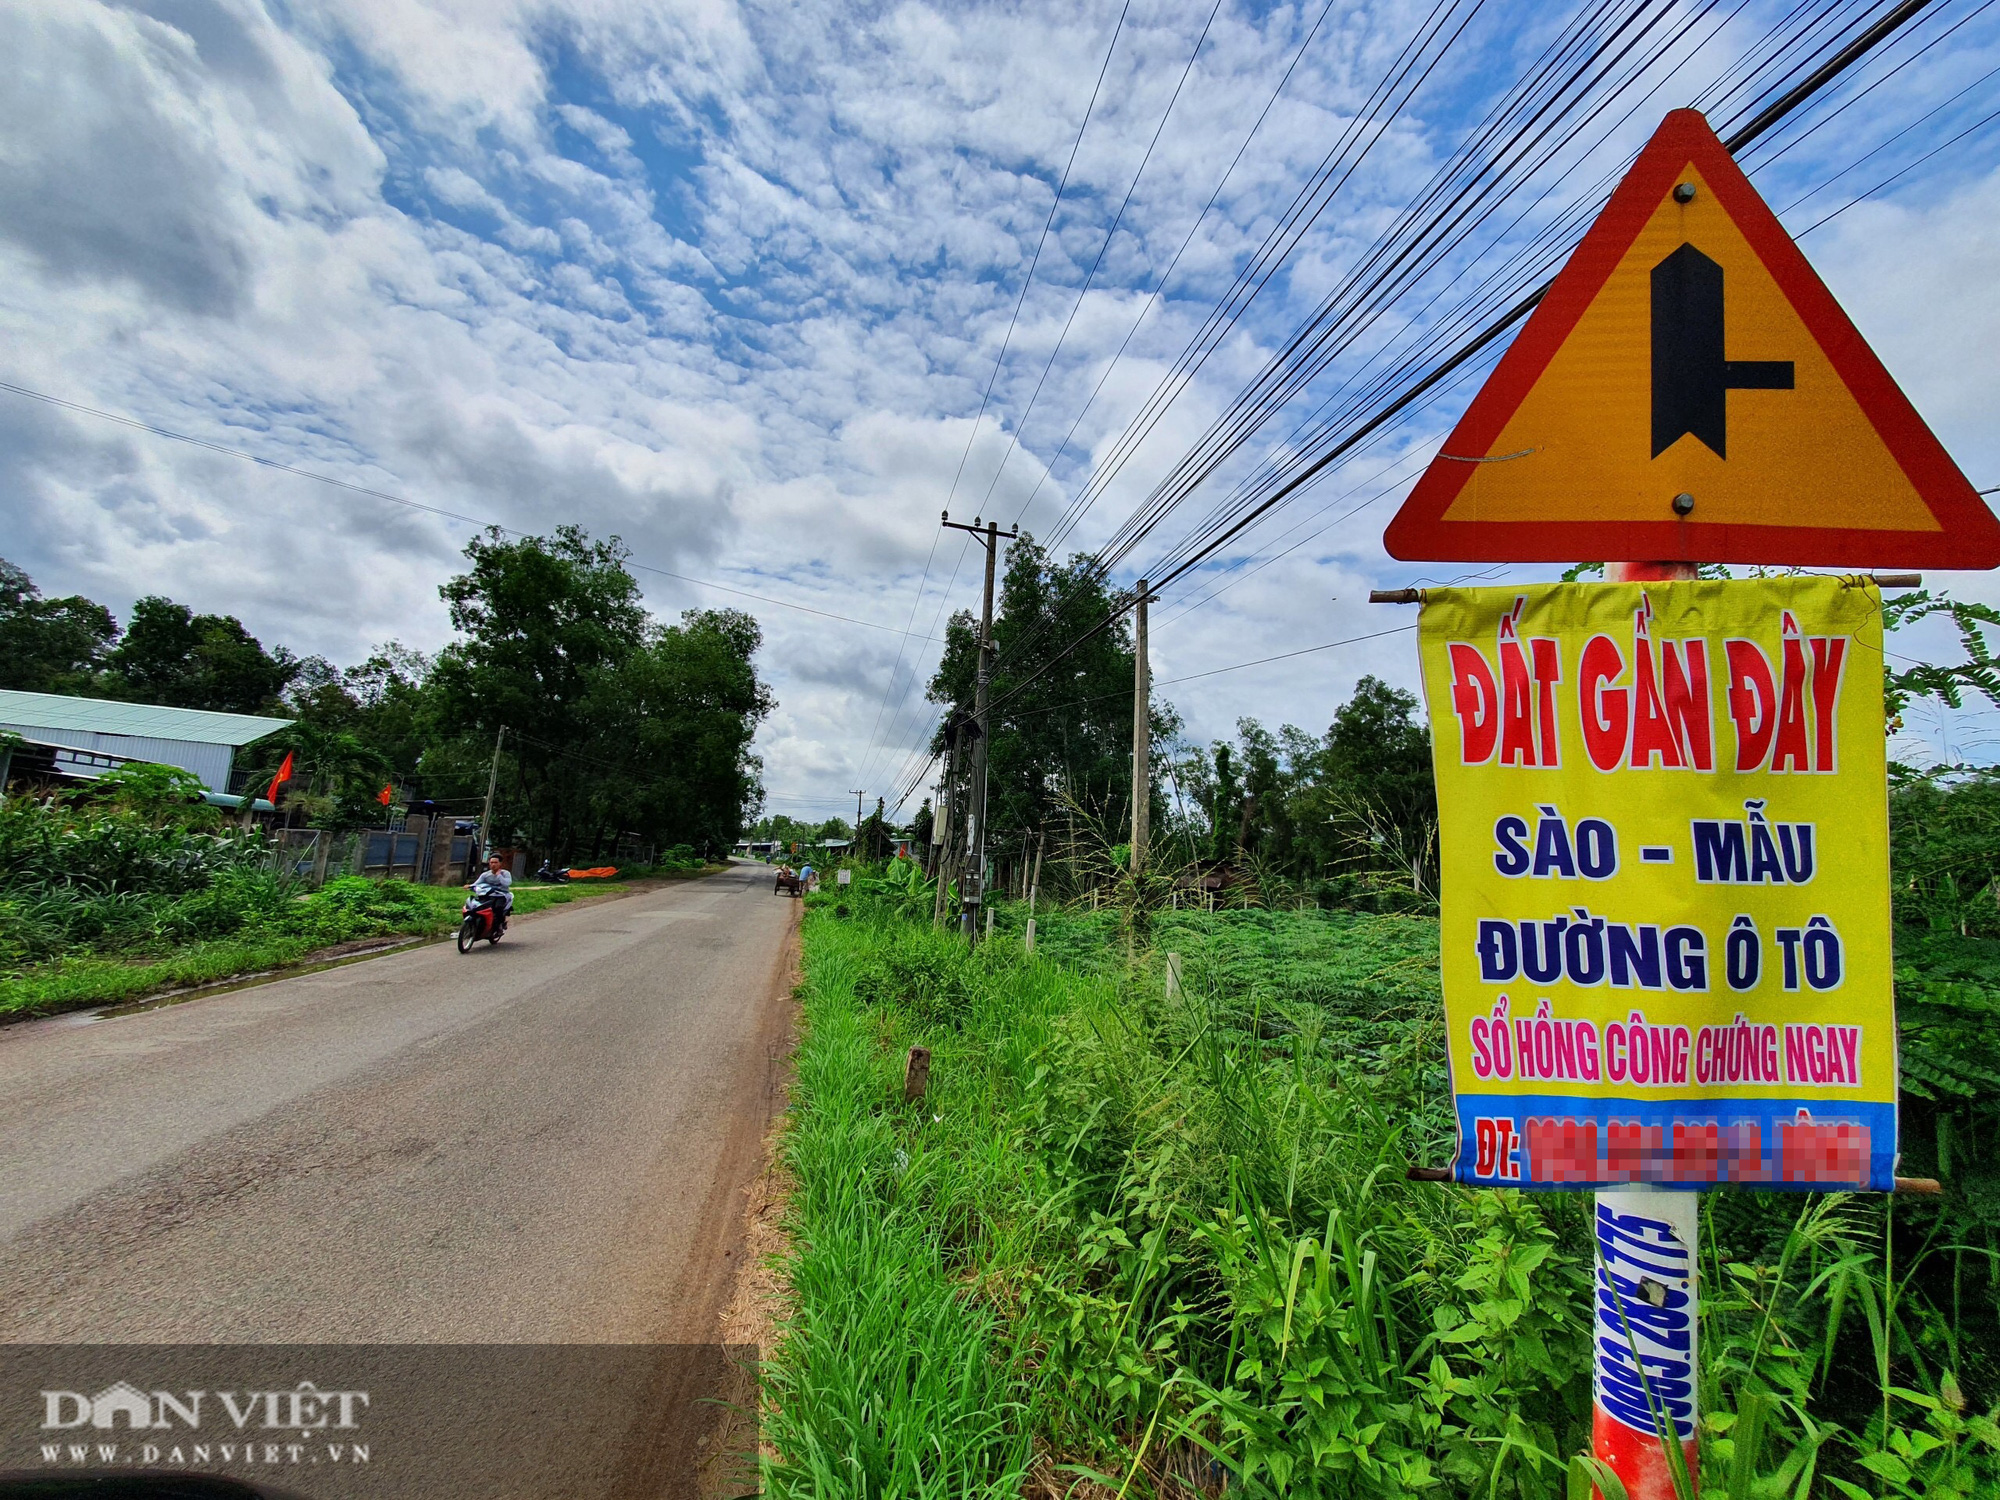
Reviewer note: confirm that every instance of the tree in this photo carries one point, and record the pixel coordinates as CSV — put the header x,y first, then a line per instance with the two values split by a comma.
x,y
49,645
1378,747
1063,694
785,831
173,656
677,718
336,774
1361,799
544,619
615,724
1225,801
874,838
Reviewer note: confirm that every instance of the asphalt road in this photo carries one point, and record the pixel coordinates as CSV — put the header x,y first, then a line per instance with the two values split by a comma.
x,y
546,1141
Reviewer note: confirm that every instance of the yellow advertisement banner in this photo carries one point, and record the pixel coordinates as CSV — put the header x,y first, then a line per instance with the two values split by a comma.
x,y
1663,815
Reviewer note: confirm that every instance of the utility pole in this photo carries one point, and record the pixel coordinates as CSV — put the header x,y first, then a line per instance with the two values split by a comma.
x,y
492,783
972,887
1142,737
938,814
941,821
854,844
1034,886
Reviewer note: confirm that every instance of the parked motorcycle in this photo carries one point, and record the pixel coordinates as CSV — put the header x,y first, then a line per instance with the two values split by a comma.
x,y
483,919
551,872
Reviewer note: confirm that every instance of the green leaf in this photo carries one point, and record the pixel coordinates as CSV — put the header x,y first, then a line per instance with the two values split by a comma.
x,y
1887,1465
1586,1471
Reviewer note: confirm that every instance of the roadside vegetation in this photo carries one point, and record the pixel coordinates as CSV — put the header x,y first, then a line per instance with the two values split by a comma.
x,y
135,886
1134,1242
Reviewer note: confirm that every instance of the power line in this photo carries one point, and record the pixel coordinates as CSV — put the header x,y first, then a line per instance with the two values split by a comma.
x,y
1205,538
1840,60
1831,115
1419,58
1738,139
1103,249
1871,192
1261,661
999,360
1350,149
1438,226
1146,306
1819,77
1152,298
1461,197
1047,224
408,504
1854,165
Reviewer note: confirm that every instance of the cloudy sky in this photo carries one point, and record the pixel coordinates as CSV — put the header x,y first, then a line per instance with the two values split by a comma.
x,y
740,284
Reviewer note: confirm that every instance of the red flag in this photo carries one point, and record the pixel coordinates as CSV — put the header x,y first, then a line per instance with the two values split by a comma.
x,y
279,781
385,794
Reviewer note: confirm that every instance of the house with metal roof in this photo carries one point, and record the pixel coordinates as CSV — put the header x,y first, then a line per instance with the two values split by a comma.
x,y
90,735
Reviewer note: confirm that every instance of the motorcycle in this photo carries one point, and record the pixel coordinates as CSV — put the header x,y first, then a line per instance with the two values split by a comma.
x,y
551,873
482,917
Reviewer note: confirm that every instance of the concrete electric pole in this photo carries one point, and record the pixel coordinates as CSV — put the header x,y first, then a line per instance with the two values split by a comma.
x,y
1142,737
943,830
492,783
972,885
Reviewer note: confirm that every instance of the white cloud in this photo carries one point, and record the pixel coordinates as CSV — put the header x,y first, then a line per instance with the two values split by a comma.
x,y
727,280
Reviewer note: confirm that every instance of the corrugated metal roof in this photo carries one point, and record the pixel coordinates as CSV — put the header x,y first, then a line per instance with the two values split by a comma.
x,y
104,716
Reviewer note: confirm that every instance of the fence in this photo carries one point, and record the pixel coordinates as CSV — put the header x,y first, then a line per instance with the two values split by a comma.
x,y
418,852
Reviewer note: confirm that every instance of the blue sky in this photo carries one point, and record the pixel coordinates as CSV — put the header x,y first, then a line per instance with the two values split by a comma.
x,y
734,281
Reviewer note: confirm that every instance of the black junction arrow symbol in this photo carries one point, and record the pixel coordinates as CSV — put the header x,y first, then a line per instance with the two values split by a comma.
x,y
1691,378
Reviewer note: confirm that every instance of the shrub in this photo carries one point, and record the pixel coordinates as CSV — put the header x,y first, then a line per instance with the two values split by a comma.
x,y
56,843
165,796
353,907
923,971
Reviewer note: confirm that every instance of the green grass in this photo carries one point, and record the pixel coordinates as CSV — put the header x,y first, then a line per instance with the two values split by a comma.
x,y
1127,1236
344,911
890,1381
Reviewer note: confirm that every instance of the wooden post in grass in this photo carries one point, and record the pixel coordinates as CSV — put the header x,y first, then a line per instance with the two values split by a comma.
x,y
1173,976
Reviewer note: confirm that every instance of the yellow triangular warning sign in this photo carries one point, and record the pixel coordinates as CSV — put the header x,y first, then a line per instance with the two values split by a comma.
x,y
1689,390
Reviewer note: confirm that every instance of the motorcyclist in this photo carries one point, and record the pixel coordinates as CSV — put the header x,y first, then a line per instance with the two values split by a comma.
x,y
496,883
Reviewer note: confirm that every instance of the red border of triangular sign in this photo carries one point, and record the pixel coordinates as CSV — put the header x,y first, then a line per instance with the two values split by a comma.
x,y
1971,535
